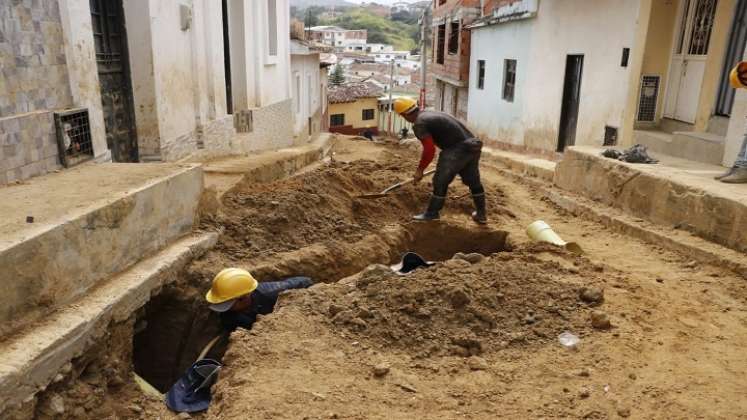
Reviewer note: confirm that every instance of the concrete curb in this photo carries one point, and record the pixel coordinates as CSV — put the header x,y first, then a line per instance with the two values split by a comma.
x,y
32,359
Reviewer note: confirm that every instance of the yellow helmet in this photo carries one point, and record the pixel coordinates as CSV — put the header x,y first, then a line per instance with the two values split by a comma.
x,y
734,77
230,284
404,106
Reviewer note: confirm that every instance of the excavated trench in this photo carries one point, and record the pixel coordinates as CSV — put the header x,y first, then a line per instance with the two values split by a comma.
x,y
176,325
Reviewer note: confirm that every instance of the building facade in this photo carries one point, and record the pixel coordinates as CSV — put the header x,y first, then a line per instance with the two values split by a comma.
x,y
140,80
545,75
353,108
451,53
337,37
309,85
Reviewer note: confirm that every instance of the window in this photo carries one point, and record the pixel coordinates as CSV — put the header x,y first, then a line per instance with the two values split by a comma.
x,y
441,41
509,80
454,38
336,119
272,28
480,74
368,114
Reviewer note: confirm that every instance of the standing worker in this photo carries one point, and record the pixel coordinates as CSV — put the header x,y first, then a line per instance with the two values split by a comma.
x,y
737,174
460,154
239,298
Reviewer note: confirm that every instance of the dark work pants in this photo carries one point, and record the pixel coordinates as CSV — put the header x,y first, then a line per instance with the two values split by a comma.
x,y
463,160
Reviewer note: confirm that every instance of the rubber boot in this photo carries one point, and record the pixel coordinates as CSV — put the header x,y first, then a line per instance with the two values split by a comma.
x,y
725,174
738,176
479,215
431,213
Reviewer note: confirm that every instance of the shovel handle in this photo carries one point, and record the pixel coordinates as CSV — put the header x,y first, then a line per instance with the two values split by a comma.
x,y
210,345
399,184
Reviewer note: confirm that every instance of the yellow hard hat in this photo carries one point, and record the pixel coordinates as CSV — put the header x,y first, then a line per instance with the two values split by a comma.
x,y
738,75
229,284
404,106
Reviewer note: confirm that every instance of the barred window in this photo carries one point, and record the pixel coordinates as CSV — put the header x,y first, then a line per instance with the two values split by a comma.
x,y
336,119
368,114
509,80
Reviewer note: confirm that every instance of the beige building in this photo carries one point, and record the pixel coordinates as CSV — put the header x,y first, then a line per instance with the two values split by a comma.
x,y
545,75
353,108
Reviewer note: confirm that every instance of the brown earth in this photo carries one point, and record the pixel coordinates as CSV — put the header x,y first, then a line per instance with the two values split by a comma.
x,y
461,339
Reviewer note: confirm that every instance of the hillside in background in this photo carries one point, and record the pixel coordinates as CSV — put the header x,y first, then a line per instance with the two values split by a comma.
x,y
402,35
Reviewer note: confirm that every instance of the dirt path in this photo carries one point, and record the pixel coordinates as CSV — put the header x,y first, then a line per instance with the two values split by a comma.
x,y
473,340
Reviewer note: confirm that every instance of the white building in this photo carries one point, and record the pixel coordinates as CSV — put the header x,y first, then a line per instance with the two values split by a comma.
x,y
387,56
309,86
176,92
337,37
546,75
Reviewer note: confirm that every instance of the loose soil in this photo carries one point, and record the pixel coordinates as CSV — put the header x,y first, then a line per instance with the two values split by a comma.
x,y
473,336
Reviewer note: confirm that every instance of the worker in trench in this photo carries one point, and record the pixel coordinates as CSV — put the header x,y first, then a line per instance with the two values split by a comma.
x,y
460,155
737,174
239,298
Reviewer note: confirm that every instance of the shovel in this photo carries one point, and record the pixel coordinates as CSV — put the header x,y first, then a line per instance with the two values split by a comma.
x,y
393,187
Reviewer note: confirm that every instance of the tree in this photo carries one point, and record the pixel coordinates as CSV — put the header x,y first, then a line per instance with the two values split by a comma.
x,y
337,77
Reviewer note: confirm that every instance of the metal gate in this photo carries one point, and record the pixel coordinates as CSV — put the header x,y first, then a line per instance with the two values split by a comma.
x,y
114,77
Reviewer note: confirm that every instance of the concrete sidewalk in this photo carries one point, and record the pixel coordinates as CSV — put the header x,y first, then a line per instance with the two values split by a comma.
x,y
675,193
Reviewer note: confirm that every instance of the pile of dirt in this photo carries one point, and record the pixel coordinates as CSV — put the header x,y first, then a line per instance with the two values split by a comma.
x,y
462,307
262,219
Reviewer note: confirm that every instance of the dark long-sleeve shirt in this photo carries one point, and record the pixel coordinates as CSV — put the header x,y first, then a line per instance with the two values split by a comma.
x,y
264,298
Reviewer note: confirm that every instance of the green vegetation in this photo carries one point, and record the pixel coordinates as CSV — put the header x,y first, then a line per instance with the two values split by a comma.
x,y
338,76
403,35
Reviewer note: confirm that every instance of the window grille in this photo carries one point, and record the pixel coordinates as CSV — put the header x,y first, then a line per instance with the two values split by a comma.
x,y
368,114
509,80
610,136
648,98
480,74
454,38
441,44
73,136
336,120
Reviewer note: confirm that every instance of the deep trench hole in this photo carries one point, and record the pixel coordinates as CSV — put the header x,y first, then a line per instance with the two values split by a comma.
x,y
441,241
174,328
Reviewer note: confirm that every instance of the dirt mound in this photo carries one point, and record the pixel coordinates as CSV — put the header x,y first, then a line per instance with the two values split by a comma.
x,y
461,307
321,207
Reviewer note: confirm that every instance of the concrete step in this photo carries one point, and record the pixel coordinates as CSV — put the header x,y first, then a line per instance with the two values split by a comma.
x,y
63,233
33,357
690,145
674,193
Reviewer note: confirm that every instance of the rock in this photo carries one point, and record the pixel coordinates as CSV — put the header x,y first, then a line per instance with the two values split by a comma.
x,y
334,309
600,320
135,408
477,363
456,263
472,346
584,393
458,298
691,264
592,295
530,319
583,373
659,280
413,144
633,376
407,387
184,416
381,370
59,377
57,404
623,412
472,258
